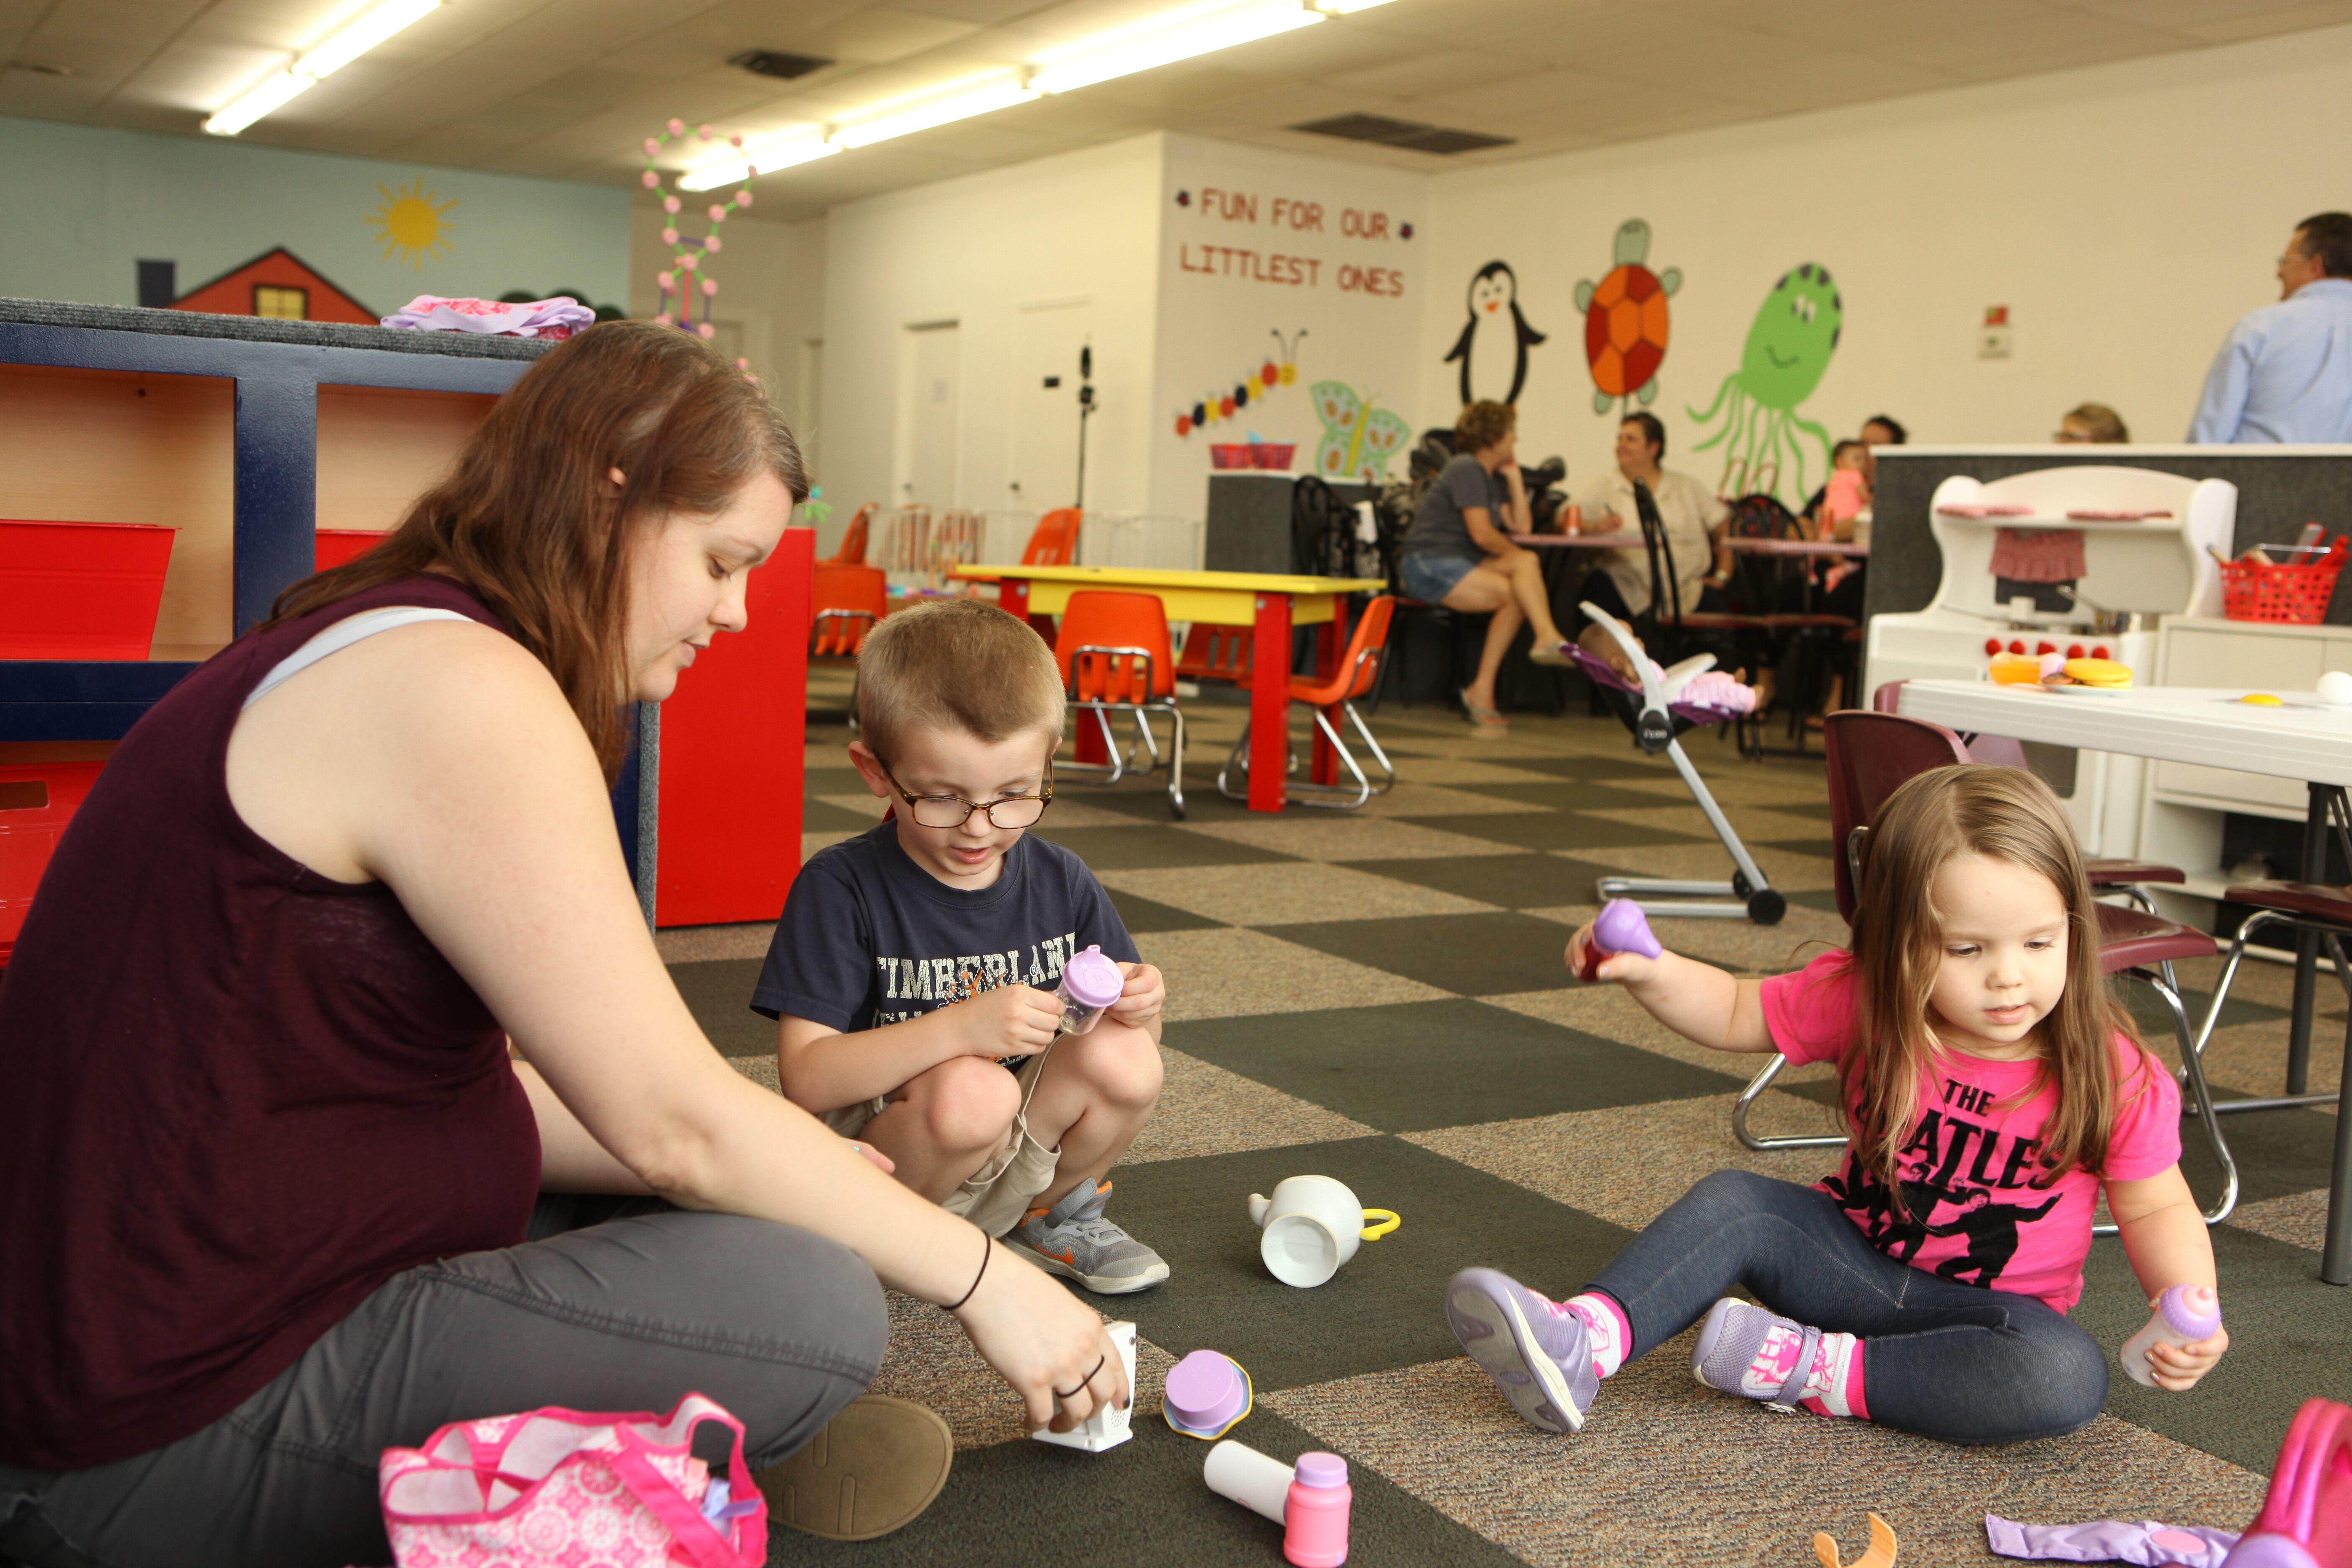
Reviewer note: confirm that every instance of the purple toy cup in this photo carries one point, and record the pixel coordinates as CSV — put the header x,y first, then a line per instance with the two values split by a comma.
x,y
1621,927
1205,1392
1090,982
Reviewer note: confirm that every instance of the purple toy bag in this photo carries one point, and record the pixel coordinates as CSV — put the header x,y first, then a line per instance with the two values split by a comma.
x,y
553,1487
2306,1518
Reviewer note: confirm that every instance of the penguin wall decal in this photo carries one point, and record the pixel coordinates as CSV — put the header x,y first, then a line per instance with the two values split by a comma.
x,y
1493,347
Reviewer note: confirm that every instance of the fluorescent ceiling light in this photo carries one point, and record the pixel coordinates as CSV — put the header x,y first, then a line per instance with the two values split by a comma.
x,y
1083,65
1186,32
373,28
784,152
250,106
944,111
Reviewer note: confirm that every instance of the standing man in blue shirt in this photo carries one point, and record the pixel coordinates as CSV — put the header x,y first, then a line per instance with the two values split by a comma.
x,y
2284,374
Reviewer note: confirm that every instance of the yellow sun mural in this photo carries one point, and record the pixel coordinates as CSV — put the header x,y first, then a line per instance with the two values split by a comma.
x,y
410,223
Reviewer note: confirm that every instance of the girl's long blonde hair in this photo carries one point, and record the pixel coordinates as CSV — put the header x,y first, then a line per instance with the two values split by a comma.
x,y
2003,814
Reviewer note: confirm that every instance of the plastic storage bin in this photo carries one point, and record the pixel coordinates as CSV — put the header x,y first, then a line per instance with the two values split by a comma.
x,y
337,545
1229,455
1275,455
2299,594
80,589
37,801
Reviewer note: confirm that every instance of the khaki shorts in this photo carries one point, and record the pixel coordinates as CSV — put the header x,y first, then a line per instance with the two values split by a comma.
x,y
998,1194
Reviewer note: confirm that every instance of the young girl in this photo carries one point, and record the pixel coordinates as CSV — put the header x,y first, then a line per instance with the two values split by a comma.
x,y
1991,1089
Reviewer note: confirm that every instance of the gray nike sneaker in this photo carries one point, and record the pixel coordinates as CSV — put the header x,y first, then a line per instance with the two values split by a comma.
x,y
1076,1242
1536,1350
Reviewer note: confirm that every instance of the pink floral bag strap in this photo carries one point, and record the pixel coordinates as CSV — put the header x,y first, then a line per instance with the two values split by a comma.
x,y
697,1539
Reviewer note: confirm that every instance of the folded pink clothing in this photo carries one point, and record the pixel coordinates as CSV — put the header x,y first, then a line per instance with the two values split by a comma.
x,y
2039,555
1714,689
557,318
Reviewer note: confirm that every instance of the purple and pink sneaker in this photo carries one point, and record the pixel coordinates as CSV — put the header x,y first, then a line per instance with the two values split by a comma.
x,y
1537,1351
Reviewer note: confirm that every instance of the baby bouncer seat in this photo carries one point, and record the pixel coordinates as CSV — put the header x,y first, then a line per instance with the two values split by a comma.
x,y
1653,712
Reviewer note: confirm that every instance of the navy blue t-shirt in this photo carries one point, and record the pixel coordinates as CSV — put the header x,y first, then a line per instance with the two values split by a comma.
x,y
869,938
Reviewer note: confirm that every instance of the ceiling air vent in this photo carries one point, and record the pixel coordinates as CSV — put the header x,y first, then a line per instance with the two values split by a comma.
x,y
1406,134
777,63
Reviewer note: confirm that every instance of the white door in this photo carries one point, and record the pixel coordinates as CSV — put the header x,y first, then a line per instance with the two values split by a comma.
x,y
927,422
1045,468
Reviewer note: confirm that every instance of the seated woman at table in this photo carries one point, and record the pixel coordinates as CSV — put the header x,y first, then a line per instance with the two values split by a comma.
x,y
1458,553
1694,517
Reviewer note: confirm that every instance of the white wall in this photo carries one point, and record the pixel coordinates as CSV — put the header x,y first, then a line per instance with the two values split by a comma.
x,y
770,308
2127,215
83,206
1080,226
1255,248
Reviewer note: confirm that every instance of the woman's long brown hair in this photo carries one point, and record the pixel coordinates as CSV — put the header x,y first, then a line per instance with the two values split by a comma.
x,y
2003,814
529,519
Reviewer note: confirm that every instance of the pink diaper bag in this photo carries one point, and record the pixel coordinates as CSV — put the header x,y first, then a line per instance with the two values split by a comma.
x,y
557,1488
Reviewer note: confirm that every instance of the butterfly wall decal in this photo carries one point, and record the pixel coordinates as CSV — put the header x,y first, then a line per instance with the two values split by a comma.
x,y
1359,438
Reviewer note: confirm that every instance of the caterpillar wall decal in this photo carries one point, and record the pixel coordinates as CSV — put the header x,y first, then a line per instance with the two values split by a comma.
x,y
1222,405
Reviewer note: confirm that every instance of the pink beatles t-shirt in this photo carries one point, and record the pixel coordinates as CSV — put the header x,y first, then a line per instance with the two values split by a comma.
x,y
1970,1209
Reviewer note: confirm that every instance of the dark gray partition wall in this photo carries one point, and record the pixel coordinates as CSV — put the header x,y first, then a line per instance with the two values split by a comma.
x,y
2279,489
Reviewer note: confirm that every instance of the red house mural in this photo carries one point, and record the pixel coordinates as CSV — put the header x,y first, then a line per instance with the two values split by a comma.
x,y
280,285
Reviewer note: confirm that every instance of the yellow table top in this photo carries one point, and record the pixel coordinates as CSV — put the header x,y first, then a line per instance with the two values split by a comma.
x,y
1160,577
1215,598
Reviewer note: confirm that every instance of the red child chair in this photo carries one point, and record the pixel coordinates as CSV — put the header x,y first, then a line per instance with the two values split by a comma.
x,y
1054,540
853,540
845,603
1113,649
1359,672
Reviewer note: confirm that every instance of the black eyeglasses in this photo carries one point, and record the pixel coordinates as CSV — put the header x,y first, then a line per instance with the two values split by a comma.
x,y
954,810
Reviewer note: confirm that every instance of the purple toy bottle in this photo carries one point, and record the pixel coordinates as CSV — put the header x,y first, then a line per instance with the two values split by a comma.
x,y
1315,1520
1090,982
2184,1314
1620,928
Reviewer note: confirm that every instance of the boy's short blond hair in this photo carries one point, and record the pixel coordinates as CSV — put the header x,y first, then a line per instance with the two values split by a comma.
x,y
956,664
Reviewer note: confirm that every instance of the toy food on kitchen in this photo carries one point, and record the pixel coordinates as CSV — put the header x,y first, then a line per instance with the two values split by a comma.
x,y
2104,672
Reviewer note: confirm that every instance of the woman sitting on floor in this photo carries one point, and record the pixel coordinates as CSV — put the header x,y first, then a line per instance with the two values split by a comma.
x,y
1458,553
277,1195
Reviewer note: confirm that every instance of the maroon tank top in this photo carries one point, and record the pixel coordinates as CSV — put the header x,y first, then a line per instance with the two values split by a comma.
x,y
235,1096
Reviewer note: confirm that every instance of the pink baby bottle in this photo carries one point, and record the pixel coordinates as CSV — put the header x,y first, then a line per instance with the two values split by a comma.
x,y
1090,982
1315,1520
1622,928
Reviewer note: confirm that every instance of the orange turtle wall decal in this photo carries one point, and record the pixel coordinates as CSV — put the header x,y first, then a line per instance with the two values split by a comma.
x,y
1626,322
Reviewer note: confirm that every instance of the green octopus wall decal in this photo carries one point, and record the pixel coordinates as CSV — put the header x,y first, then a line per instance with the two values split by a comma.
x,y
1763,436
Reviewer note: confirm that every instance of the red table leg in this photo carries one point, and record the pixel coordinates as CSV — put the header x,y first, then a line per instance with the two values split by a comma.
x,y
1270,703
1326,665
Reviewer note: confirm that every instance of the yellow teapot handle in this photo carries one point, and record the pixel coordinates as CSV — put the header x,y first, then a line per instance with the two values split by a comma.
x,y
1388,1222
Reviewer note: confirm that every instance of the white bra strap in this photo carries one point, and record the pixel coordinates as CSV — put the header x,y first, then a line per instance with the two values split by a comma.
x,y
340,635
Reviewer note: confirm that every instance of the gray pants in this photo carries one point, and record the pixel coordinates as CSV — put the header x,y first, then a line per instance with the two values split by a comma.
x,y
782,1327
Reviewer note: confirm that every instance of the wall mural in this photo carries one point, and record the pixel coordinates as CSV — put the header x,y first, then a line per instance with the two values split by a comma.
x,y
411,222
1626,322
1788,348
1222,405
1493,347
1359,438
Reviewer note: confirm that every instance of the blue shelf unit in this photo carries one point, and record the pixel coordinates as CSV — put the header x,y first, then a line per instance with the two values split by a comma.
x,y
277,368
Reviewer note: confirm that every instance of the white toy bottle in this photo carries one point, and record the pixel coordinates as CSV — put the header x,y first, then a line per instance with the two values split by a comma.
x,y
2184,1314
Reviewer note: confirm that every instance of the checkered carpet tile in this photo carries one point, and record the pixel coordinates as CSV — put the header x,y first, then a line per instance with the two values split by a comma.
x,y
1380,997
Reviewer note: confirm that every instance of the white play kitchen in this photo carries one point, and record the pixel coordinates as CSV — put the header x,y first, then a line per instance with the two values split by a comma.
x,y
2066,562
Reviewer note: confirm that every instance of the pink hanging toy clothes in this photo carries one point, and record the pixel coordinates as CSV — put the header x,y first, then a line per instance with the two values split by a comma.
x,y
553,1487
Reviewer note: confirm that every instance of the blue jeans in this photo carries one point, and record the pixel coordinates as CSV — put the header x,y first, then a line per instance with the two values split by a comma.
x,y
1950,1361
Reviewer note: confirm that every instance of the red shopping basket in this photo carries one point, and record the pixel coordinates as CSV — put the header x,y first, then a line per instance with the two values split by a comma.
x,y
2251,591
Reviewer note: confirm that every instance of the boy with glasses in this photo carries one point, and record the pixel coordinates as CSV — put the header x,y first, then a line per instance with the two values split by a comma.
x,y
912,974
